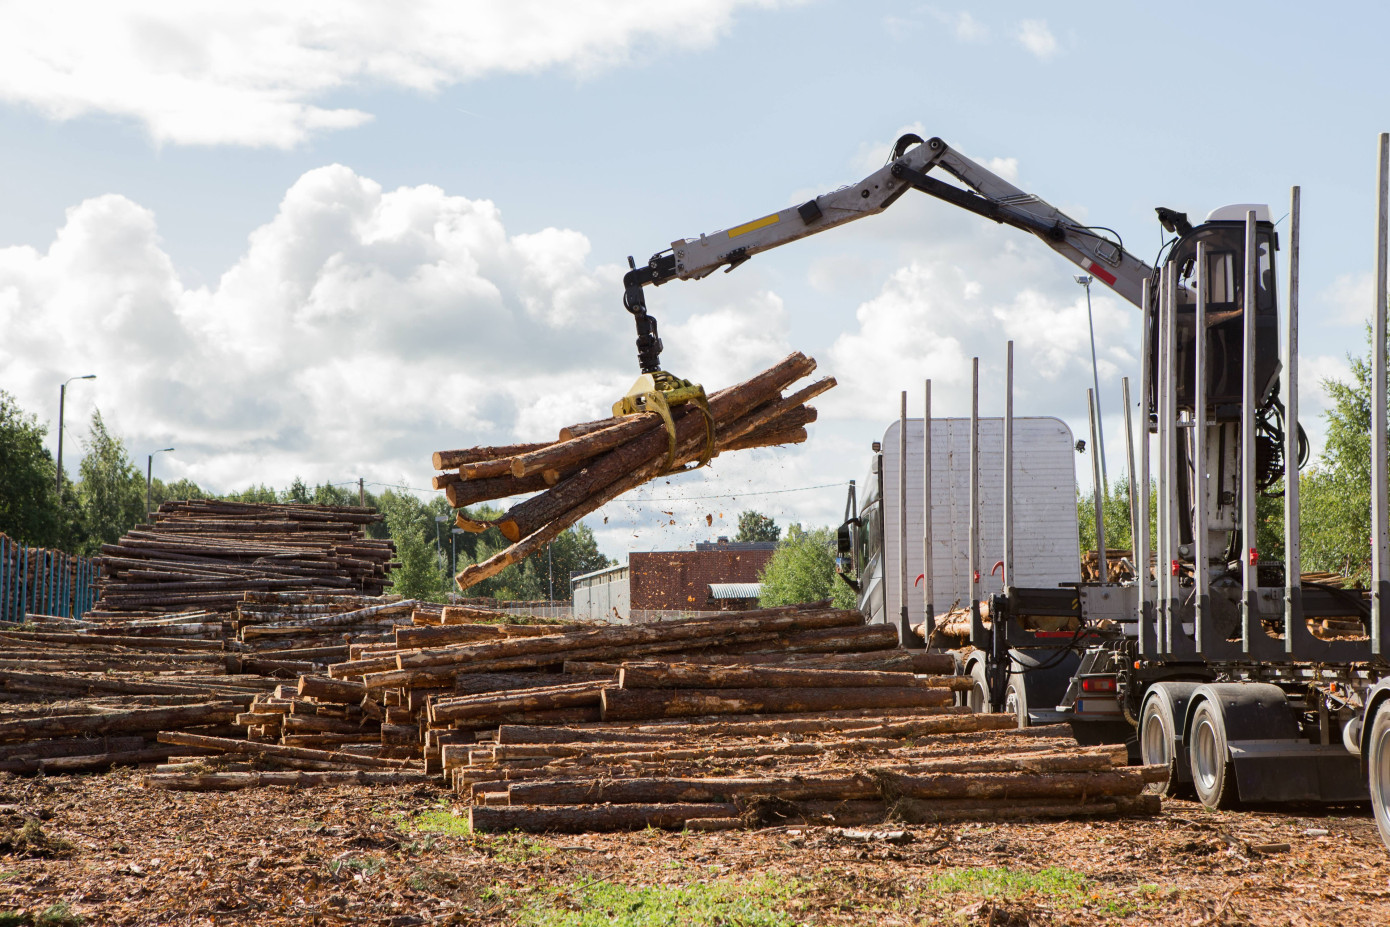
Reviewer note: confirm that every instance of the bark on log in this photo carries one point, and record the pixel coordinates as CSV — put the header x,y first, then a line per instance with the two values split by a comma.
x,y
236,781
231,745
590,819
137,719
341,691
583,694
694,676
463,494
768,438
571,452
448,460
640,704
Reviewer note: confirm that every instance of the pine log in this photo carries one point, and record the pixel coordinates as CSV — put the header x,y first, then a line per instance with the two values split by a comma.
x,y
567,453
591,819
952,723
694,676
437,635
638,704
768,438
342,691
483,683
477,707
467,493
448,460
1129,781
235,781
231,745
526,518
530,543
136,719
824,640
721,629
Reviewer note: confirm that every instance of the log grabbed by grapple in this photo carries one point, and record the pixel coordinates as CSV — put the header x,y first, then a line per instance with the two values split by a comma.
x,y
593,463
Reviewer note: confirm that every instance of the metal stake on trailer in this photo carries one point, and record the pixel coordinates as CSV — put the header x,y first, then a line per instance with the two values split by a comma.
x,y
1200,487
904,625
1380,498
1008,573
1293,565
973,558
1140,502
928,607
1249,574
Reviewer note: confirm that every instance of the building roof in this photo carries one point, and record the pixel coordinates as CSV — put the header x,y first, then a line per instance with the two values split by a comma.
x,y
735,590
726,544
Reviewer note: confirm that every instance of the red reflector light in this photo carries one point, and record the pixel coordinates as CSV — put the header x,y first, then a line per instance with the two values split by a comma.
x,y
977,576
1254,557
1176,569
1098,684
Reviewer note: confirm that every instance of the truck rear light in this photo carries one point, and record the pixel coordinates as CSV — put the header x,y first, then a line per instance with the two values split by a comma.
x,y
1098,684
1254,557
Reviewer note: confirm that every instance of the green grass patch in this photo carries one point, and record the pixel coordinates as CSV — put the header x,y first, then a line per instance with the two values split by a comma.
x,y
1062,885
719,903
58,915
437,821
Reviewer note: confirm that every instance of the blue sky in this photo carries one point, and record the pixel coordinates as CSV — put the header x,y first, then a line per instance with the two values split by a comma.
x,y
326,239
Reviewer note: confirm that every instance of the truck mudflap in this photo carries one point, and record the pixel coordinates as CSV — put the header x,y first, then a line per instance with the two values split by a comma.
x,y
1281,771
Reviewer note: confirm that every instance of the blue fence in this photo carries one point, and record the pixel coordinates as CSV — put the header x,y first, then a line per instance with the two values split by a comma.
x,y
40,581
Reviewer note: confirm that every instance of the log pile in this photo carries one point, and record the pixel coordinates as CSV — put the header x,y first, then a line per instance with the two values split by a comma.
x,y
206,554
593,463
93,693
843,772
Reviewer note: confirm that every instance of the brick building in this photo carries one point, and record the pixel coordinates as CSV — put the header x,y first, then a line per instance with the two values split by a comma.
x,y
671,581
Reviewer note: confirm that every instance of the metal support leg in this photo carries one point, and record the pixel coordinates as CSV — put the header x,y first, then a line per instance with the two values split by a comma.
x,y
1201,556
1148,638
928,606
904,623
1380,499
1008,558
1249,600
1293,563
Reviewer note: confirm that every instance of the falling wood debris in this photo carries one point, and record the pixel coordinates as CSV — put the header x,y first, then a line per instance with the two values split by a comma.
x,y
593,463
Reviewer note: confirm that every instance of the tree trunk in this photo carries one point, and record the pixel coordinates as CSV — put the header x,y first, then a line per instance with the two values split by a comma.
x,y
230,745
694,676
448,460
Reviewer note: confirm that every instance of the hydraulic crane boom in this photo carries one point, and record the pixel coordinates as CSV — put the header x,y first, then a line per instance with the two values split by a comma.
x,y
985,193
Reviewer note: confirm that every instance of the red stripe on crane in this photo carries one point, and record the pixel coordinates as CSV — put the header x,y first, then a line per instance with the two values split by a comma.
x,y
1102,273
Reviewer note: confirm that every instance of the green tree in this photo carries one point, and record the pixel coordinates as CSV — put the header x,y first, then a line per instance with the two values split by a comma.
x,y
755,526
413,529
1118,531
802,569
111,490
1336,490
29,509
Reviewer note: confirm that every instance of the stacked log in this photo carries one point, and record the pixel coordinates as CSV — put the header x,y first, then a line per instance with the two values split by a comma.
x,y
206,554
676,776
593,463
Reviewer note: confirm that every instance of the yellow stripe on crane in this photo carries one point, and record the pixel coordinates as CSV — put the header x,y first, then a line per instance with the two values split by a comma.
x,y
753,226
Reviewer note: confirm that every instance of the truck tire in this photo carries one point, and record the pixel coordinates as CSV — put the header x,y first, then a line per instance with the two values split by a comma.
x,y
977,696
1159,743
1378,760
1213,773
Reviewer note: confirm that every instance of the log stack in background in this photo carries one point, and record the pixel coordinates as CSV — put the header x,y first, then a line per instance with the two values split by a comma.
x,y
204,554
593,463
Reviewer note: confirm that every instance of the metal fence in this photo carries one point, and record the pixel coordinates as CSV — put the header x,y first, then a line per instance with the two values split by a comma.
x,y
41,581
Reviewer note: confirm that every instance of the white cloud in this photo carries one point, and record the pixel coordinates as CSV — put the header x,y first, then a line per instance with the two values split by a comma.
x,y
969,29
1034,35
262,73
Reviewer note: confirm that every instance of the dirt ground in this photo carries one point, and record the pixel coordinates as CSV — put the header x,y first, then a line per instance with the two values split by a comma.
x,y
103,850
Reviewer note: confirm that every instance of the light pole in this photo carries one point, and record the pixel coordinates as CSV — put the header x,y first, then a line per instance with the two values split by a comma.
x,y
438,547
453,552
1103,490
149,478
62,400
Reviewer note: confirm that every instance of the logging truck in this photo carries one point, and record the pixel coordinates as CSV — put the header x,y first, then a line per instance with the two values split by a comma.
x,y
1210,658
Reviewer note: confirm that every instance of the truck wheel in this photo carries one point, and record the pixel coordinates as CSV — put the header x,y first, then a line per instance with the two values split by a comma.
x,y
1016,699
977,696
1213,774
1378,759
1158,742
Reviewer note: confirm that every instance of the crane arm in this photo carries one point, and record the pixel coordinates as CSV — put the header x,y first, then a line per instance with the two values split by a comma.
x,y
985,193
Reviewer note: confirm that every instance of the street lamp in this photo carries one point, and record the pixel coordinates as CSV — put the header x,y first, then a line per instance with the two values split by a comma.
x,y
454,552
149,478
62,400
438,547
1104,488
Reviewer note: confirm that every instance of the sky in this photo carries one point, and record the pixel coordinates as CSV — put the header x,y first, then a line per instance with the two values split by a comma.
x,y
326,239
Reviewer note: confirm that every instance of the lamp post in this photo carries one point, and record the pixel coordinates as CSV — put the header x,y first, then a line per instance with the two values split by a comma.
x,y
62,400
439,547
454,552
149,478
1103,490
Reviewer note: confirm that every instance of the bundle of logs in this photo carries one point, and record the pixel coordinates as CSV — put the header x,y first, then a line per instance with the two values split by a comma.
x,y
813,771
205,554
595,462
89,694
